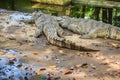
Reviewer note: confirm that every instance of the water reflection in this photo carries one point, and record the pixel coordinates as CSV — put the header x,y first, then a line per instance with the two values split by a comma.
x,y
105,14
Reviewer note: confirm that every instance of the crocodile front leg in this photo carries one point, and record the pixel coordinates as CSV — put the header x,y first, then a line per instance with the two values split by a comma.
x,y
51,34
60,31
39,31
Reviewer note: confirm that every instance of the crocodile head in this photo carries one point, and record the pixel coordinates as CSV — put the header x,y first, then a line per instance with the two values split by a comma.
x,y
63,21
36,15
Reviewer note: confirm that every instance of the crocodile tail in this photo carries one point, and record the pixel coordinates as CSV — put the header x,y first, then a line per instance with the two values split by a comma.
x,y
70,45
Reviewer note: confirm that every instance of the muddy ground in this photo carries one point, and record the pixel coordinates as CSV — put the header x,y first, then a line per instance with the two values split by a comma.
x,y
60,63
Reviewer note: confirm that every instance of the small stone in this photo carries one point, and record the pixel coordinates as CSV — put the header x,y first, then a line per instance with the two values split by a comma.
x,y
78,65
61,51
93,67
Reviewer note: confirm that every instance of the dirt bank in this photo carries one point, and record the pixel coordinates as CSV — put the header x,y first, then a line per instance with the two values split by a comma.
x,y
59,63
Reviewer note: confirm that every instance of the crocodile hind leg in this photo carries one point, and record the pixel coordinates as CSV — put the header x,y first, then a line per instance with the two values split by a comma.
x,y
91,35
88,36
115,33
98,32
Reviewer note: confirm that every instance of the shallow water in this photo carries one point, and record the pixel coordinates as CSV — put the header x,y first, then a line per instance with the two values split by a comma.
x,y
11,68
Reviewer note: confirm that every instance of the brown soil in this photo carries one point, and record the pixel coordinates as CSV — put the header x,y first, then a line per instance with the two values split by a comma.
x,y
65,64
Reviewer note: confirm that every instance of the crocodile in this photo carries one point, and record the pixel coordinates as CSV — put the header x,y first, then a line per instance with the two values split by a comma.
x,y
89,28
54,33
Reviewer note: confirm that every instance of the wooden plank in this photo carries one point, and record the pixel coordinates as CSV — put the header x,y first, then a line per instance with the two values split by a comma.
x,y
98,3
